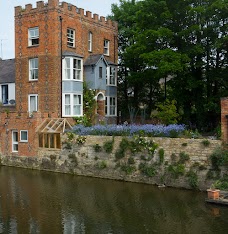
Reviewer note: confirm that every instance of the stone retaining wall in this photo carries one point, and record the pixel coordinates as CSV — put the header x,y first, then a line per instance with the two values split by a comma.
x,y
82,159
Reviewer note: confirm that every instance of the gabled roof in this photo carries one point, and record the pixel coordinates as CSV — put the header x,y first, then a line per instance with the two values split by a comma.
x,y
7,71
93,59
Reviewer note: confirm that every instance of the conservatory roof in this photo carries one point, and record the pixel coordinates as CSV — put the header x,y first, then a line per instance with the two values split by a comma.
x,y
54,126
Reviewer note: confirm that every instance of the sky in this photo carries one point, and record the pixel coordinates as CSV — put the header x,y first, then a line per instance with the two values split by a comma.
x,y
100,7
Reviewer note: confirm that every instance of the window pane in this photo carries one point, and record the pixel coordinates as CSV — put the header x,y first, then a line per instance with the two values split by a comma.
x,y
67,99
15,137
67,62
15,147
77,110
33,106
24,135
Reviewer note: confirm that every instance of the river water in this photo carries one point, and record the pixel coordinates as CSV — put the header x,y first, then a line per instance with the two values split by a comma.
x,y
43,202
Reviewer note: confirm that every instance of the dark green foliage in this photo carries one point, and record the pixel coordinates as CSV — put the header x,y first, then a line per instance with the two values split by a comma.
x,y
148,170
219,158
183,157
185,40
184,144
205,143
70,136
222,183
120,153
173,157
97,148
192,179
96,158
213,174
161,154
68,145
131,161
166,113
101,165
128,169
176,170
108,146
89,104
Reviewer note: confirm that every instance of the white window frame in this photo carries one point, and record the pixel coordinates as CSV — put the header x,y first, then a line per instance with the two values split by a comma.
x,y
72,104
106,47
109,105
71,72
33,36
33,68
70,37
111,76
14,142
24,140
90,41
29,100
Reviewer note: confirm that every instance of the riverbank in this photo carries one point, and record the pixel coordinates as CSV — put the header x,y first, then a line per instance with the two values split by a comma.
x,y
175,162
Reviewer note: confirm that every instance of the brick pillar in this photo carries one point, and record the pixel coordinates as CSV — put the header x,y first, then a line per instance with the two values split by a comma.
x,y
224,119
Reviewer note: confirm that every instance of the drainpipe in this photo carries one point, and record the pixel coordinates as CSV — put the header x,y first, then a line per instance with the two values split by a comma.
x,y
61,64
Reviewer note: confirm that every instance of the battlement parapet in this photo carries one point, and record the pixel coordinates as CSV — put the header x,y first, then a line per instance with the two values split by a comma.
x,y
65,8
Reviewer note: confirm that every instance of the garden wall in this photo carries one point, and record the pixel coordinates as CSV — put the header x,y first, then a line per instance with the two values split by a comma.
x,y
176,162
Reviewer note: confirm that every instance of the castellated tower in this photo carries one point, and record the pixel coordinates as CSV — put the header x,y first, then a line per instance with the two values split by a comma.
x,y
42,34
58,48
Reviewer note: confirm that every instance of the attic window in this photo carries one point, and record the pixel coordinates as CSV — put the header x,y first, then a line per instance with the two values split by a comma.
x,y
33,36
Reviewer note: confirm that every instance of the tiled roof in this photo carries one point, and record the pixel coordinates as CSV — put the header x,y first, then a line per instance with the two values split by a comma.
x,y
92,59
7,71
70,53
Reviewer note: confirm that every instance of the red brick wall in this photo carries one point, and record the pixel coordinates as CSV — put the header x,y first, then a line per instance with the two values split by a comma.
x,y
48,86
224,119
46,17
16,122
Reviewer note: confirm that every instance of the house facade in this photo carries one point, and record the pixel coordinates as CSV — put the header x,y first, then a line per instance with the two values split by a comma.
x,y
58,47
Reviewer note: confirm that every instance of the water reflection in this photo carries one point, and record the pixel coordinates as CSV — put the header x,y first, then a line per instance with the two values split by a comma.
x,y
42,202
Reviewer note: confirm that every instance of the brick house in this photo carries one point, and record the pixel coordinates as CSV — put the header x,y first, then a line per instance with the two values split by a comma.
x,y
57,48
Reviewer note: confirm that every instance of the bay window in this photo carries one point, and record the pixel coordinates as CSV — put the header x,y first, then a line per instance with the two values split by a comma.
x,y
111,106
72,68
72,104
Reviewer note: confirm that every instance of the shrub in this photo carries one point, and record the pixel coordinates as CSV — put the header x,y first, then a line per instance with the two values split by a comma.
x,y
176,170
166,112
205,143
119,154
131,161
222,183
101,165
97,148
219,158
108,146
70,136
161,154
183,157
68,145
128,169
81,140
192,179
173,157
147,170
